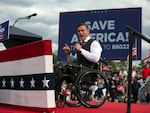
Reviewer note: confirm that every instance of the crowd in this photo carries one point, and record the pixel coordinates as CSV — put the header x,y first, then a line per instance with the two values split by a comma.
x,y
118,85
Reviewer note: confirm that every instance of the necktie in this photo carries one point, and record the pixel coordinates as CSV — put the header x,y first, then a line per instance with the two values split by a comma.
x,y
83,43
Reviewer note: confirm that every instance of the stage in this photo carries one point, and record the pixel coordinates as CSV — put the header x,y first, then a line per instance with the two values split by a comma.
x,y
108,107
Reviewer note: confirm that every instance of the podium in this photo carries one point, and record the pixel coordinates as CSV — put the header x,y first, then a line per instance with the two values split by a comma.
x,y
26,77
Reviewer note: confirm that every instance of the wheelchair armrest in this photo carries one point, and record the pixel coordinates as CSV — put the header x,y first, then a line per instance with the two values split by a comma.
x,y
102,61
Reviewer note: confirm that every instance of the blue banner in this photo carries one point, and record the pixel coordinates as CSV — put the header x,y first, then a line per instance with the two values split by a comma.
x,y
4,31
106,26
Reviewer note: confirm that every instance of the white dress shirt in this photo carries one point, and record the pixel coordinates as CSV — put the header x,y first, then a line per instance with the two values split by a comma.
x,y
94,54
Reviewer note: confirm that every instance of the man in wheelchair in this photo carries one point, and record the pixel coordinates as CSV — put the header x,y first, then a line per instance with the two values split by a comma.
x,y
87,56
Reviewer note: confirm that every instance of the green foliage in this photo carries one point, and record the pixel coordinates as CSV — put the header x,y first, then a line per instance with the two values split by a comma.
x,y
54,58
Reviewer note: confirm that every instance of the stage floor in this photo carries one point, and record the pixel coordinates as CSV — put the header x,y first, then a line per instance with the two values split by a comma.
x,y
108,107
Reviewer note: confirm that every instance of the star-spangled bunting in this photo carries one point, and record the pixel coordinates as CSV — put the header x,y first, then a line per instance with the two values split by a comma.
x,y
32,83
146,59
28,82
134,53
4,83
45,82
21,83
12,82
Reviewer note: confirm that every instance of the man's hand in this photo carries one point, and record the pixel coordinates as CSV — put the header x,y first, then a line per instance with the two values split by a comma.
x,y
66,49
77,46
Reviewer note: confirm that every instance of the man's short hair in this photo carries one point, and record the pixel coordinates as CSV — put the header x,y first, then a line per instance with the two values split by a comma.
x,y
83,24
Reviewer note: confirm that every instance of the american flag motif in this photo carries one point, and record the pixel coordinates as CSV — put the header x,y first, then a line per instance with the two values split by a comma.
x,y
4,31
134,53
26,76
146,59
28,82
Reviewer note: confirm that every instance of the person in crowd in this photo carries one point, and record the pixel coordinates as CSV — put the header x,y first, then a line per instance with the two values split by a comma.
x,y
146,71
145,98
139,78
134,72
113,90
120,91
123,73
115,73
88,53
135,87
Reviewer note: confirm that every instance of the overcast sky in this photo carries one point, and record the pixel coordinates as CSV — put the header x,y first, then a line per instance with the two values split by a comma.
x,y
46,23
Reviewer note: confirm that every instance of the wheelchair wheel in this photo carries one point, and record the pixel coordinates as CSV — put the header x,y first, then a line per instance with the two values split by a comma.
x,y
92,89
65,88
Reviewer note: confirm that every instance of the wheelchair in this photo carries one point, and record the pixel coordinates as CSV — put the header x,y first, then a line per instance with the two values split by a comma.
x,y
76,85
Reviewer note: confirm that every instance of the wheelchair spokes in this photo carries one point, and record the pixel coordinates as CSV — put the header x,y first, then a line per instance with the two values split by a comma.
x,y
92,89
82,86
66,91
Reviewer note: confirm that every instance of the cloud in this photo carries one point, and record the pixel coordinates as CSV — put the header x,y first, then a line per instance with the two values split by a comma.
x,y
46,23
25,3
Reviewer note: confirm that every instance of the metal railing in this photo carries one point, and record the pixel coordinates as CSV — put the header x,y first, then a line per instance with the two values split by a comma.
x,y
132,32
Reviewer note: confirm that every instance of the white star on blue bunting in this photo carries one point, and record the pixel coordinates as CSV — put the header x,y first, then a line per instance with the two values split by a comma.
x,y
4,83
32,83
21,83
45,82
12,83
